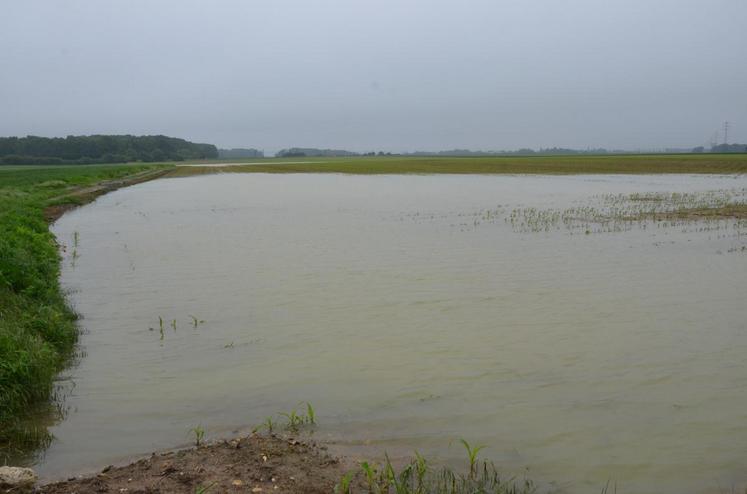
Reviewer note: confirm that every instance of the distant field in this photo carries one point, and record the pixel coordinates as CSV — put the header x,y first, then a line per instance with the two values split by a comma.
x,y
27,178
633,164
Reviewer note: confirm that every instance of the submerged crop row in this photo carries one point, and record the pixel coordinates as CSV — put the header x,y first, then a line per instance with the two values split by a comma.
x,y
714,210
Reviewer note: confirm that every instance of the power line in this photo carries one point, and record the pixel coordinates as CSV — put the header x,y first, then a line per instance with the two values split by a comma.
x,y
726,132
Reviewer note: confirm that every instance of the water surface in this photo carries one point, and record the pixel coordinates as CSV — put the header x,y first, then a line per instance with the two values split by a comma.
x,y
408,320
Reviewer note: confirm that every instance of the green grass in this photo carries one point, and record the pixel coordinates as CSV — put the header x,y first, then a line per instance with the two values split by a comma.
x,y
633,164
420,477
199,433
295,422
37,328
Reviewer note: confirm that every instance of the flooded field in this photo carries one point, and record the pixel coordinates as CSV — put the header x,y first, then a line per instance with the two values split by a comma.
x,y
413,311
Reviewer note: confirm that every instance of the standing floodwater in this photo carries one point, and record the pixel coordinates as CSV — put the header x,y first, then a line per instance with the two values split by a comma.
x,y
410,311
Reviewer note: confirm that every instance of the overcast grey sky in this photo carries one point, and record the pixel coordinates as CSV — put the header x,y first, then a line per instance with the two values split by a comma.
x,y
365,75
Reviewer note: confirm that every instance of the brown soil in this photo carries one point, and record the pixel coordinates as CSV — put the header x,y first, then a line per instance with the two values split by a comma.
x,y
85,195
256,464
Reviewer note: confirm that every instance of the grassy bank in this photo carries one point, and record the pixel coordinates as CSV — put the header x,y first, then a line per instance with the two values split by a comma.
x,y
552,165
37,328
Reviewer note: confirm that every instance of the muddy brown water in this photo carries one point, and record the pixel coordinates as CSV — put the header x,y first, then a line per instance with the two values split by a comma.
x,y
409,323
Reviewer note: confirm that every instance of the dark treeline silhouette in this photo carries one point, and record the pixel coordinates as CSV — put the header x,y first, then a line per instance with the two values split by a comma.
x,y
299,152
729,148
555,151
518,152
100,149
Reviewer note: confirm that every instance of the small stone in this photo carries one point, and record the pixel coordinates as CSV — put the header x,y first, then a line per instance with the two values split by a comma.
x,y
17,479
237,483
107,468
257,489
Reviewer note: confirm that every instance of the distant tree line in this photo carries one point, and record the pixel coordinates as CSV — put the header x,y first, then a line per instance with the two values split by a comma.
x,y
33,150
724,148
240,153
300,152
518,152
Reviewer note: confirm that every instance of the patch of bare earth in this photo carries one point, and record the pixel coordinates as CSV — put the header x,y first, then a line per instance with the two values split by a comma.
x,y
255,464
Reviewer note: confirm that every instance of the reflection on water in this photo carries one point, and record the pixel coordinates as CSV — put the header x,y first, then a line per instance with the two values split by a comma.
x,y
407,324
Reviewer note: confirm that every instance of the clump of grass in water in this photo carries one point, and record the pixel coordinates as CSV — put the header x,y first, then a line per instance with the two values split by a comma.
x,y
344,486
195,321
295,422
269,425
199,433
472,455
75,255
417,477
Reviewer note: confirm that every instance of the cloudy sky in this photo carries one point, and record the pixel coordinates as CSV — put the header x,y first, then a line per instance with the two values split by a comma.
x,y
364,75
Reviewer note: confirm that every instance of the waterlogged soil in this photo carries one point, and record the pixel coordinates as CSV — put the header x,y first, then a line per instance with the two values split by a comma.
x,y
256,463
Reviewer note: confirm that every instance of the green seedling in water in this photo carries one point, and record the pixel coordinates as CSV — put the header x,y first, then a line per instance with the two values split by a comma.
x,y
229,345
370,473
294,421
418,478
268,425
196,321
310,415
173,324
343,487
199,433
472,455
76,238
421,468
402,483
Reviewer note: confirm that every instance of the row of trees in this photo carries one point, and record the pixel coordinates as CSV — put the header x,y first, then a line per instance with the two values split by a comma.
x,y
100,149
723,148
298,152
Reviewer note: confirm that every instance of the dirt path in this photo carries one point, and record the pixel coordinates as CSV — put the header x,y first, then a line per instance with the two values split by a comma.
x,y
84,195
255,463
